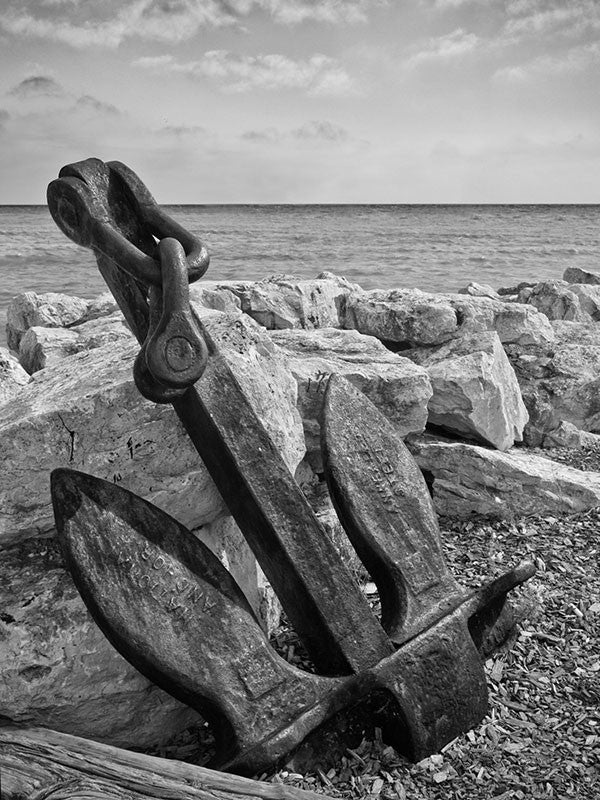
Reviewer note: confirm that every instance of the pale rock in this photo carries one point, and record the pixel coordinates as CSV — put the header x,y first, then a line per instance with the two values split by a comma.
x,y
217,295
406,318
479,290
475,389
399,388
49,310
12,376
577,275
87,414
467,479
281,301
103,305
561,383
44,347
556,300
567,435
589,298
515,323
58,669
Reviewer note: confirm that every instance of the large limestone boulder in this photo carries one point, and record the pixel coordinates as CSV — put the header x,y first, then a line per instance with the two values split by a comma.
x,y
589,298
86,413
467,479
49,310
561,383
406,318
399,388
280,301
12,376
556,300
57,668
475,390
577,275
43,347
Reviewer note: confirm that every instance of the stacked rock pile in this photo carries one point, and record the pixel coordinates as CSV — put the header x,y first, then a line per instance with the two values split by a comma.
x,y
477,382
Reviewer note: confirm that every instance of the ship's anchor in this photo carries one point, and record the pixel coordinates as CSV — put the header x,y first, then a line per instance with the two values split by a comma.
x,y
168,604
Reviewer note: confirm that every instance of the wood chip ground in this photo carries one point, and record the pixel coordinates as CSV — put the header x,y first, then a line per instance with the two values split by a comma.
x,y
541,738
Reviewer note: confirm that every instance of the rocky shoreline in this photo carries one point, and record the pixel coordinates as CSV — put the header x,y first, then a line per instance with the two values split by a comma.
x,y
488,388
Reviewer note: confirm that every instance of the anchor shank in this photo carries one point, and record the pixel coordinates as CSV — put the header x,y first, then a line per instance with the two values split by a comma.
x,y
320,597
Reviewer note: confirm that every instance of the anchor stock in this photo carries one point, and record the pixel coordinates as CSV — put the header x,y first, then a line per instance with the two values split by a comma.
x,y
424,658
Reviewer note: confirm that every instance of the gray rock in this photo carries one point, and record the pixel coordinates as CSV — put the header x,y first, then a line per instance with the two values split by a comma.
x,y
217,295
281,301
12,376
49,310
577,275
475,389
589,298
399,388
567,435
560,383
43,347
411,318
406,317
479,290
556,300
467,479
86,413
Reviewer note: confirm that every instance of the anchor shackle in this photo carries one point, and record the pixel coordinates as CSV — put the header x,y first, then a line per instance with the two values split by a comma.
x,y
175,351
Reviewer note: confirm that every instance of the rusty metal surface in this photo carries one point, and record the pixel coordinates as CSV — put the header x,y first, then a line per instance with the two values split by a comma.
x,y
422,659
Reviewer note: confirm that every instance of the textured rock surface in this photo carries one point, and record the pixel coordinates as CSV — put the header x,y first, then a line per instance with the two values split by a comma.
x,y
556,300
12,376
515,323
589,299
44,347
49,310
577,275
561,383
479,290
567,435
407,317
468,479
86,413
399,388
411,318
58,669
281,301
475,390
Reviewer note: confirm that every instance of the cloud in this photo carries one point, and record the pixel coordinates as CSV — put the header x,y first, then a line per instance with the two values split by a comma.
x,y
4,117
316,129
571,62
444,48
182,131
90,103
529,18
86,24
312,131
319,75
37,86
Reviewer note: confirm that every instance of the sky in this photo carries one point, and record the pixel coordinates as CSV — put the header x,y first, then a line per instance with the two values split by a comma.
x,y
306,101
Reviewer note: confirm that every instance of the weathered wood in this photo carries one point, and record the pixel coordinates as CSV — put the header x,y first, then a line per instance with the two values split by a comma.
x,y
41,764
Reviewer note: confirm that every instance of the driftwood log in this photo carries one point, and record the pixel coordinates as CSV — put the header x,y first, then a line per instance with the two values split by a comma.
x,y
40,764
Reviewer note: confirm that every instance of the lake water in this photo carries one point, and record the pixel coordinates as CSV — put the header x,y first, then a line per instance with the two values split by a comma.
x,y
435,248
